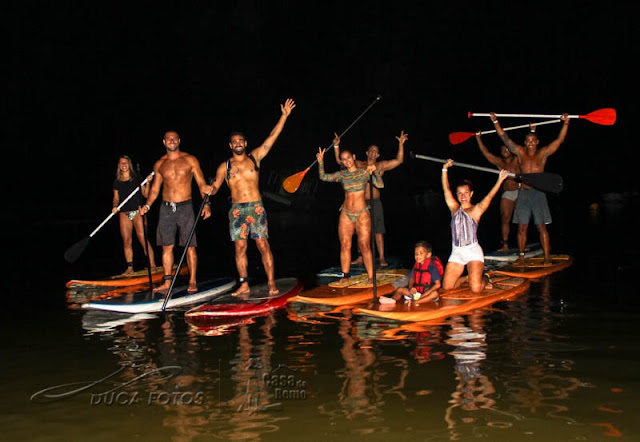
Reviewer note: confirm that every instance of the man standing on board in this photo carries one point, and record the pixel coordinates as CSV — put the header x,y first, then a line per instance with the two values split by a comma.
x,y
532,202
247,216
174,173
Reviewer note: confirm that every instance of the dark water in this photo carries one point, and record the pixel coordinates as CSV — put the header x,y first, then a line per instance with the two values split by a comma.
x,y
559,362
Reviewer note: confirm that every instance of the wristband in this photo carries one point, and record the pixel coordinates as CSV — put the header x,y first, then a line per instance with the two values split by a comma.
x,y
147,206
207,204
444,170
494,121
336,146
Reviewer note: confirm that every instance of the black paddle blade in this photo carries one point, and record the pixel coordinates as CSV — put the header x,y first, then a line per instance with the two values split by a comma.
x,y
547,182
74,252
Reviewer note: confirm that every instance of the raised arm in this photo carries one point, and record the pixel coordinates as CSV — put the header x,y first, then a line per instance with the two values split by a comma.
x,y
513,147
483,205
261,151
493,159
336,147
451,201
330,177
555,144
385,165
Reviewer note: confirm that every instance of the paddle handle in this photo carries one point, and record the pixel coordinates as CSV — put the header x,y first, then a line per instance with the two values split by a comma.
x,y
378,98
456,163
119,207
520,127
486,114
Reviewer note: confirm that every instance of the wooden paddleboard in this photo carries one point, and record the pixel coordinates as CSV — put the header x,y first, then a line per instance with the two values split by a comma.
x,y
454,302
135,278
258,302
330,274
356,290
535,267
149,301
512,254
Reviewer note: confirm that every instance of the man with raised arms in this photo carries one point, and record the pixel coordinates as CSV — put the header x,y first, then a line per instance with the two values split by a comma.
x,y
247,216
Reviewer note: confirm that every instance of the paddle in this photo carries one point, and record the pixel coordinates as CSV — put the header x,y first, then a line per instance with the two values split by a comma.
x,y
186,248
145,235
74,252
292,183
547,182
373,240
605,116
461,137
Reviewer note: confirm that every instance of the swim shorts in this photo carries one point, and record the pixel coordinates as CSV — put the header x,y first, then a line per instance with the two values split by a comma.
x,y
248,220
172,217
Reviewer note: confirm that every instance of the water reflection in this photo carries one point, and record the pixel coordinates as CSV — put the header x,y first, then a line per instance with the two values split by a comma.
x,y
496,373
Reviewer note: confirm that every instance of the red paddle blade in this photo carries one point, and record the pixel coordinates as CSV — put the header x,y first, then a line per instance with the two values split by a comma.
x,y
459,137
292,183
606,116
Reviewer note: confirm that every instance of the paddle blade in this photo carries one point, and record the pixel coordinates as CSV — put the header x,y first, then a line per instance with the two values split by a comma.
x,y
606,116
459,137
74,252
292,183
547,182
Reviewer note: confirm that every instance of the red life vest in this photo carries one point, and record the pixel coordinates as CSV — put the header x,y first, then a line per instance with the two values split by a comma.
x,y
421,275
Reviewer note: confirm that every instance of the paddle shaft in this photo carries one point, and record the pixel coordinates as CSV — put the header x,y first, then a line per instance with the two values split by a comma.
x,y
486,114
119,207
520,127
378,98
373,239
456,163
186,248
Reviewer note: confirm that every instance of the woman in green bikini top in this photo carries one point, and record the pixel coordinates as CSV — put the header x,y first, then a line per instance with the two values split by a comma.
x,y
354,216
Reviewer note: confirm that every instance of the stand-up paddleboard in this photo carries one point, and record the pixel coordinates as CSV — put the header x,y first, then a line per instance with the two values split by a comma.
x,y
355,290
512,254
149,301
535,267
453,302
122,280
334,273
258,302
81,294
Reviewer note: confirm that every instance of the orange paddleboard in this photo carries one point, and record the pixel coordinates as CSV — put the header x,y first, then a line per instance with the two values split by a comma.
x,y
535,267
135,278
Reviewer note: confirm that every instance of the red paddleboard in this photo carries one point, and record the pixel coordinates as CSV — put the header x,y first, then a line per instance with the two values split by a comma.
x,y
259,302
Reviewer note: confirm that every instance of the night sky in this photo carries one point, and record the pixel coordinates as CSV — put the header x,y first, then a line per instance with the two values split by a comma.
x,y
88,81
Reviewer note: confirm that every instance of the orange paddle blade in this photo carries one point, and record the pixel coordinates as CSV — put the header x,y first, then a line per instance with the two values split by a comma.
x,y
606,116
292,183
459,137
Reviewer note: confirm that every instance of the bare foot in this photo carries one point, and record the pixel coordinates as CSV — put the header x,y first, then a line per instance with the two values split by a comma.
x,y
504,248
243,290
383,263
273,291
519,262
129,271
547,262
164,287
357,261
154,269
193,287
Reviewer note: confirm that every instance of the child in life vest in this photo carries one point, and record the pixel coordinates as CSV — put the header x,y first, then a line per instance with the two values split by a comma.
x,y
425,279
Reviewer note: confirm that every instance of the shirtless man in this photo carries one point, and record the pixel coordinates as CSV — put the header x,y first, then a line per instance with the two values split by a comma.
x,y
532,202
247,216
510,186
175,170
373,153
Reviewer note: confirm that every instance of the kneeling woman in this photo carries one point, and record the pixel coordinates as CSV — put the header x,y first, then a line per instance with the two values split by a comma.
x,y
465,249
354,216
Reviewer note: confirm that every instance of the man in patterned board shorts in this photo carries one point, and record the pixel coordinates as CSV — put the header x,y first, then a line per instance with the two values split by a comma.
x,y
247,217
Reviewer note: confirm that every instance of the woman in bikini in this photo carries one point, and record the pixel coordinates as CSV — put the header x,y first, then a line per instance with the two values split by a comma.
x,y
354,216
465,249
126,182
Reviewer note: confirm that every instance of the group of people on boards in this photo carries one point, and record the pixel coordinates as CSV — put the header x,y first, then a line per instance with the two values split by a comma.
x,y
175,171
